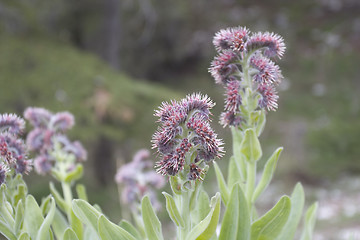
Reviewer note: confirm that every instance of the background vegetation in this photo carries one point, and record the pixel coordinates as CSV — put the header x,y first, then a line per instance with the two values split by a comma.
x,y
112,62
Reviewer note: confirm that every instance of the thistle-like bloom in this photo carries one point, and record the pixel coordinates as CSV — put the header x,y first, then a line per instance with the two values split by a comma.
x,y
139,179
13,151
49,130
11,124
185,140
244,63
231,38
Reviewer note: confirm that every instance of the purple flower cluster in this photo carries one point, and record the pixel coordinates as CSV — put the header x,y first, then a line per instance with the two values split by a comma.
x,y
185,139
239,49
13,151
49,129
139,178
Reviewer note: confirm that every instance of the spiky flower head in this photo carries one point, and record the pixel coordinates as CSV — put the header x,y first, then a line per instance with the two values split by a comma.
x,y
244,66
13,151
49,131
184,140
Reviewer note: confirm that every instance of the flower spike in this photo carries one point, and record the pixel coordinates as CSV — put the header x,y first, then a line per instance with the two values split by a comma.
x,y
273,43
185,136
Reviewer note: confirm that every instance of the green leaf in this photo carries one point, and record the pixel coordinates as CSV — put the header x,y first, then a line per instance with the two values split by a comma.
x,y
194,195
24,236
2,193
250,146
207,227
236,221
86,213
175,185
173,211
261,120
238,156
131,229
33,217
111,231
69,234
271,224
58,198
267,174
229,225
43,233
76,225
297,205
19,217
20,194
151,221
309,223
9,208
59,224
6,231
74,174
81,192
90,234
203,207
44,206
224,191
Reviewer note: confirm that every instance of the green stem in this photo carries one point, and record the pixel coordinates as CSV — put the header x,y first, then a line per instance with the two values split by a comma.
x,y
250,183
185,214
68,198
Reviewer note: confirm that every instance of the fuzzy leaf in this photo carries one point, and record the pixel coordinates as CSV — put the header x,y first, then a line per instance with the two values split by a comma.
x,y
81,192
222,184
130,228
236,221
6,231
74,174
173,211
33,217
174,184
43,233
297,205
267,174
59,224
309,223
86,213
203,207
58,198
194,195
261,120
44,206
233,173
24,236
69,234
229,225
20,194
111,231
76,225
250,146
19,217
207,227
271,224
238,156
151,221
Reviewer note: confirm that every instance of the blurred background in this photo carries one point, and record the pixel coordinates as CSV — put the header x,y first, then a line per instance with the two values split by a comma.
x,y
112,62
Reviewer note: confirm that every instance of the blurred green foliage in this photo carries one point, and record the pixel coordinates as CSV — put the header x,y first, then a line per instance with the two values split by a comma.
x,y
50,54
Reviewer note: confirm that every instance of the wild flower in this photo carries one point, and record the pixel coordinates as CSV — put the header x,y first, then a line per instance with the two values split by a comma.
x,y
185,141
48,134
243,66
13,151
139,179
